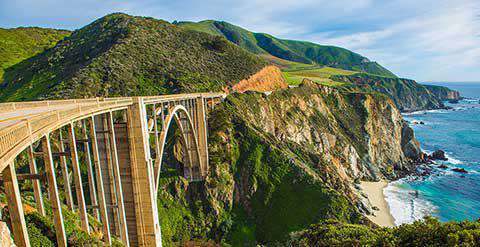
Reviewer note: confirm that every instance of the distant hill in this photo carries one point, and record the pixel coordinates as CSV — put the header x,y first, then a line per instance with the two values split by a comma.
x,y
125,55
407,94
280,51
17,44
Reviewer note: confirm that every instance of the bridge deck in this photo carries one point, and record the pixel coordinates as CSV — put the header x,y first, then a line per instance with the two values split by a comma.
x,y
22,123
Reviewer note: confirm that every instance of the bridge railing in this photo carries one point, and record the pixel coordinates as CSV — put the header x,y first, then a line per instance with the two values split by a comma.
x,y
28,128
14,106
17,136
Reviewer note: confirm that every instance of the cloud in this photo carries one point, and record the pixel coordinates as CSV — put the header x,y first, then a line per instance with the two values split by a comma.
x,y
424,40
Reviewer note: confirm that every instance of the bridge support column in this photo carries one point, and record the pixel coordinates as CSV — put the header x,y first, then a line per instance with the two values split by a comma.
x,y
66,179
37,188
91,180
82,210
15,208
148,226
122,221
106,164
53,192
201,124
100,189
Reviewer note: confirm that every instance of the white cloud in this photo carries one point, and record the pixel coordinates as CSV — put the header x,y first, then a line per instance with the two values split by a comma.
x,y
434,45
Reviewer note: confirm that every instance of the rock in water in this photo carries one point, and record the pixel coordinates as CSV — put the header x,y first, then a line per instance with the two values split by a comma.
x,y
438,155
460,170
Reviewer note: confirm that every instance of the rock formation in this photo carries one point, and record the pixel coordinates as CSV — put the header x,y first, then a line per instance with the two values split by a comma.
x,y
269,78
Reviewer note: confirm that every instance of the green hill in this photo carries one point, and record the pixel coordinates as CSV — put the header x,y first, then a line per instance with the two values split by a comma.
x,y
289,50
125,55
17,44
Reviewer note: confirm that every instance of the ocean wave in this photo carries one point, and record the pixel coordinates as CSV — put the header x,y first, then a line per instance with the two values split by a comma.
x,y
405,204
425,112
448,155
452,160
473,100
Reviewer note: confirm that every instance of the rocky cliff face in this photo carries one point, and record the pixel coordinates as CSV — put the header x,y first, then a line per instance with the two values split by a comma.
x,y
301,146
443,93
360,132
407,94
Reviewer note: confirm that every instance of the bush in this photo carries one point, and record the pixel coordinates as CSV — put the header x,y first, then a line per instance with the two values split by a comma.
x,y
426,232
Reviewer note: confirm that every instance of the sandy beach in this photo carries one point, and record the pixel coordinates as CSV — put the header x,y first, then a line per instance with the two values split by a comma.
x,y
374,191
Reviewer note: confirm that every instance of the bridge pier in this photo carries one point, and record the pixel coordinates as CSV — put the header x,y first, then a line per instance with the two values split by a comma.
x,y
53,192
102,207
125,171
148,225
90,174
201,126
122,221
77,176
15,207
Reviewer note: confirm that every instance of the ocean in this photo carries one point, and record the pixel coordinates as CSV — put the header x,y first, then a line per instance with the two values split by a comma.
x,y
445,194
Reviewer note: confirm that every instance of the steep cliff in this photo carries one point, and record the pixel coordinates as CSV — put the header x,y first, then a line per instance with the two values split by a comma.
x,y
443,93
407,94
281,162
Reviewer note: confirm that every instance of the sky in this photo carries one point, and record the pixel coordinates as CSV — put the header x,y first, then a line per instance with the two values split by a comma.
x,y
426,40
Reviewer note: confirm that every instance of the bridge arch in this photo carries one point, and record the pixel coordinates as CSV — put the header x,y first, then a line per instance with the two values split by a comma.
x,y
189,135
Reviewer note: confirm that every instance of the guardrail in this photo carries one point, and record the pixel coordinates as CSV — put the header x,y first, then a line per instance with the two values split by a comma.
x,y
28,128
16,137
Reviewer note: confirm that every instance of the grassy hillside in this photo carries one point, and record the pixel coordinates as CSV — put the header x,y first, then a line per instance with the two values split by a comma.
x,y
289,50
125,55
17,44
319,75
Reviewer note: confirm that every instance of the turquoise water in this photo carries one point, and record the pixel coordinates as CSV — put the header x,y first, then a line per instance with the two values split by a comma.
x,y
444,194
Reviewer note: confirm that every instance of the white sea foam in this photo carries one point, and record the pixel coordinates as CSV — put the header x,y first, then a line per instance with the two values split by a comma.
x,y
452,160
425,112
449,156
471,100
405,205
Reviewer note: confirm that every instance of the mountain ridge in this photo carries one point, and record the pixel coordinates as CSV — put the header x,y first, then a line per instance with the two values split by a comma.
x,y
292,50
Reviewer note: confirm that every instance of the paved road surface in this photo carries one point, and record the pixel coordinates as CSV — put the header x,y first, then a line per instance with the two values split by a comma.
x,y
9,118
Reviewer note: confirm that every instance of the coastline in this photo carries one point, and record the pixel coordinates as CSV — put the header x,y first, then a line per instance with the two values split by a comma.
x,y
374,192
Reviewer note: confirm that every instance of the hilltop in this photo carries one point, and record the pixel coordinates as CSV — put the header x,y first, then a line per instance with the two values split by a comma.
x,y
289,53
120,55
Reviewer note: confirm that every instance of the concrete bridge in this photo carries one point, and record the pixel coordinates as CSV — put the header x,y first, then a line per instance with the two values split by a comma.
x,y
119,141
